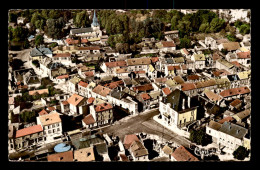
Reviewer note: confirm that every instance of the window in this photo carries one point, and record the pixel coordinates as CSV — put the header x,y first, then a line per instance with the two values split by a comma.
x,y
209,131
58,124
49,131
53,125
54,130
58,129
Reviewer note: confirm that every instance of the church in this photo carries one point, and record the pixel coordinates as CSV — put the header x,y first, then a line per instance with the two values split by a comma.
x,y
92,32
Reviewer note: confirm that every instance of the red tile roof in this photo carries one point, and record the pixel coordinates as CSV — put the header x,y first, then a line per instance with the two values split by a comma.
x,y
236,64
185,51
139,72
101,90
83,84
235,102
63,76
89,73
166,90
113,85
129,139
91,100
62,55
226,119
182,154
75,99
90,48
170,68
187,86
168,44
63,156
193,77
33,92
43,112
103,107
71,41
124,158
145,96
221,72
216,56
155,59
115,64
84,40
28,131
145,87
51,108
235,91
242,55
65,102
88,119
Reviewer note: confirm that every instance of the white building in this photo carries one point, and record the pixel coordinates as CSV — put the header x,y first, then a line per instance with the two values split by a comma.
x,y
227,134
52,126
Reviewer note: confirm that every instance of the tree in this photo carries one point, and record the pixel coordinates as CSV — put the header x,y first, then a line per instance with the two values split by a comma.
x,y
216,24
200,137
81,19
240,153
55,28
231,37
26,44
12,17
204,28
39,40
185,42
16,64
244,29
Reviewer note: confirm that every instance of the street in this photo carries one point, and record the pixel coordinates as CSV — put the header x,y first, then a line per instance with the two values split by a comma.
x,y
144,123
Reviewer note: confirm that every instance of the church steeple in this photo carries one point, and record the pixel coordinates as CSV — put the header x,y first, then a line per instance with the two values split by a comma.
x,y
95,20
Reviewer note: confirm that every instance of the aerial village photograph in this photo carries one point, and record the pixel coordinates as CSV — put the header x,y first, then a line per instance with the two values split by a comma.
x,y
128,85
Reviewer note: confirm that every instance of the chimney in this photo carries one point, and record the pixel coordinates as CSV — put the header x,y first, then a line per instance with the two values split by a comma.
x,y
189,101
183,103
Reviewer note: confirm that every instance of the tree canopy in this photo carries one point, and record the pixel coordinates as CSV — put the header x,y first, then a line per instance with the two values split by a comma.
x,y
240,153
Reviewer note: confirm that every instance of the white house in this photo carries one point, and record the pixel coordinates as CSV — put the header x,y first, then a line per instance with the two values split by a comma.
x,y
77,105
52,126
227,134
199,60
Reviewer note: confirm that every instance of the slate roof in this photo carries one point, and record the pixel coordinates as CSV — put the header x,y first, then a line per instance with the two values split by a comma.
x,y
214,125
86,141
243,114
233,130
101,148
40,51
81,30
